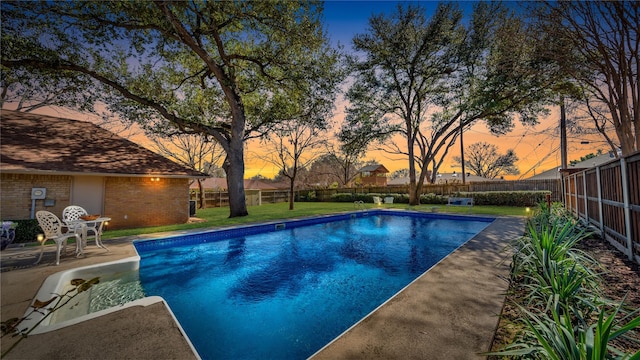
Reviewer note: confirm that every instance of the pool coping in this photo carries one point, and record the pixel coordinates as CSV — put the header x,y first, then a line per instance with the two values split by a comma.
x,y
331,348
449,312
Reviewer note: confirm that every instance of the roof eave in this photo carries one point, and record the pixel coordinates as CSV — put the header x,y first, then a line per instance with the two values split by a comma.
x,y
73,173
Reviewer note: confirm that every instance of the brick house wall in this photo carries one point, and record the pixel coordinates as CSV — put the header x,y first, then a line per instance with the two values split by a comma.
x,y
15,194
130,202
139,202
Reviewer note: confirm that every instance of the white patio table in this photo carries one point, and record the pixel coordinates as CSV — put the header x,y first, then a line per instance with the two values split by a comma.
x,y
81,225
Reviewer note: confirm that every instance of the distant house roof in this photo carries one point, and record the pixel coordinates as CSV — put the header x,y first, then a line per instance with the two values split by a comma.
x,y
374,168
589,163
547,175
214,183
40,144
399,181
594,161
457,177
442,178
265,185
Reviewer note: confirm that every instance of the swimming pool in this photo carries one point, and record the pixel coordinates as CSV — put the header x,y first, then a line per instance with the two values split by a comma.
x,y
246,293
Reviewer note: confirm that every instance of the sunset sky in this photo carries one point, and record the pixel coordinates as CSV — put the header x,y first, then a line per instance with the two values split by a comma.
x,y
536,147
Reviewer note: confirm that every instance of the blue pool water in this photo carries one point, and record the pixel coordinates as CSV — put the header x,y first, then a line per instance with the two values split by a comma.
x,y
285,294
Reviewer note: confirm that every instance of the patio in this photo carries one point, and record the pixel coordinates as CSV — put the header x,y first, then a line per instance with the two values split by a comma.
x,y
451,311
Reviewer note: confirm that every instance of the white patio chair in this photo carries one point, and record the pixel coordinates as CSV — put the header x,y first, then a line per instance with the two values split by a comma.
x,y
74,212
377,200
388,200
52,227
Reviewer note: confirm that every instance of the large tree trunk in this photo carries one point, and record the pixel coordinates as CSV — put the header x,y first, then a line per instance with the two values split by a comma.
x,y
234,161
291,195
423,175
203,203
234,166
414,189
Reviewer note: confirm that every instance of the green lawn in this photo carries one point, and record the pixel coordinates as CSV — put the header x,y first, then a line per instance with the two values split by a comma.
x,y
214,217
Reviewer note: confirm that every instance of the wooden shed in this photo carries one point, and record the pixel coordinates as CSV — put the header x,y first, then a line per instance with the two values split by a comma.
x,y
372,175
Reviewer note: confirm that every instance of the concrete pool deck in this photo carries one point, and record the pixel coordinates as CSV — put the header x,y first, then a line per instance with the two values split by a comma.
x,y
449,312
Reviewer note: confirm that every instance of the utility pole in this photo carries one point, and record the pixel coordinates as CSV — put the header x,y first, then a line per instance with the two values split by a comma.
x,y
464,174
563,146
563,134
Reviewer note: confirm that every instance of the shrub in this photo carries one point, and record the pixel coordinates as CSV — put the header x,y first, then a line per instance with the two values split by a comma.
x,y
368,198
397,198
506,198
306,196
433,199
559,336
342,197
564,316
26,230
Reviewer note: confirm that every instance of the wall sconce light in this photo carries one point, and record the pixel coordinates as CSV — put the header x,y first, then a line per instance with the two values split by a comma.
x,y
40,238
155,179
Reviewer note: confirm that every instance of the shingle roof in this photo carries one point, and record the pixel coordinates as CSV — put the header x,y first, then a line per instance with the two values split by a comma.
x,y
585,164
32,143
373,168
444,177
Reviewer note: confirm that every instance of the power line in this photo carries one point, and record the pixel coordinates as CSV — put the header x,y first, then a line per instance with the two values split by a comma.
x,y
539,162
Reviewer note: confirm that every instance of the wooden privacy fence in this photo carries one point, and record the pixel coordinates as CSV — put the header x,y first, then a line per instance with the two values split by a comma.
x,y
212,198
215,198
553,185
608,197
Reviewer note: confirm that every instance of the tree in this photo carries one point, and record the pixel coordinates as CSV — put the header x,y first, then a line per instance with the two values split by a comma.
x,y
307,112
483,159
428,80
260,177
586,157
398,174
324,171
29,92
590,117
353,146
300,139
217,68
334,168
293,148
596,44
197,152
348,157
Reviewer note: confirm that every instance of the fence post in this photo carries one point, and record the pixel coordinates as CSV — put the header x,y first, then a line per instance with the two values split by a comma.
x,y
584,193
562,192
575,194
627,207
600,211
548,199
